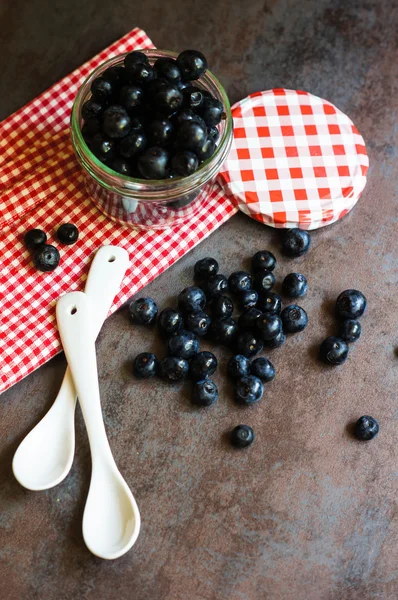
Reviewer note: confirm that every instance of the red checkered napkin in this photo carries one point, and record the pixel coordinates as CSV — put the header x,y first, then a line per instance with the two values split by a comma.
x,y
41,185
296,160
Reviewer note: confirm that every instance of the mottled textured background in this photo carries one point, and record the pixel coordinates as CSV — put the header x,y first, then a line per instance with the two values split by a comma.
x,y
307,513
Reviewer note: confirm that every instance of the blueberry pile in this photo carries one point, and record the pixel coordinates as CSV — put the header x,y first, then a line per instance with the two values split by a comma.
x,y
350,305
46,257
152,121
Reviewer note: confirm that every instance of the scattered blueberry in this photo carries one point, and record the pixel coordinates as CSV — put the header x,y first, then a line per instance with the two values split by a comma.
x,y
270,303
215,285
174,368
239,281
67,234
248,390
203,365
152,164
116,124
247,299
263,261
191,299
295,242
247,344
145,365
184,344
192,64
350,330
242,436
333,351
206,268
294,319
264,281
221,307
238,366
263,369
366,428
133,144
34,238
143,310
268,326
247,320
46,258
276,342
204,393
223,331
184,163
198,322
170,322
295,285
351,304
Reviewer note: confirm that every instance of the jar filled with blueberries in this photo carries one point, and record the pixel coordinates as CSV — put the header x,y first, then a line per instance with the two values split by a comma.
x,y
151,130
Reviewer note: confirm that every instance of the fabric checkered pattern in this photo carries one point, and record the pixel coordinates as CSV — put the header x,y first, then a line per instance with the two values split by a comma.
x,y
296,160
41,185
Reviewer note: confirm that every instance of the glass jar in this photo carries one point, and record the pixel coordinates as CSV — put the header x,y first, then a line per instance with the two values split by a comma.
x,y
149,204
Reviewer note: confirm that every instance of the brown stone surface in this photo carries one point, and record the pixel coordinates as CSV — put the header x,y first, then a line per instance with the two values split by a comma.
x,y
307,513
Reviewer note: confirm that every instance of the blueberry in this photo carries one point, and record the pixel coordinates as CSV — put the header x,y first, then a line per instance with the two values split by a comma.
x,y
247,299
135,57
143,310
333,351
103,147
153,163
268,326
223,331
184,344
366,428
115,75
167,99
247,320
34,238
184,163
186,114
191,136
198,322
102,90
276,342
211,110
205,268
248,344
239,281
350,330
295,285
295,242
92,109
131,97
263,281
167,68
215,285
203,365
191,299
193,97
294,319
204,393
263,369
242,436
207,150
160,132
238,366
351,304
115,124
221,307
192,64
133,144
90,128
174,368
213,133
270,303
169,322
67,234
145,365
121,165
248,390
182,85
46,258
140,73
263,261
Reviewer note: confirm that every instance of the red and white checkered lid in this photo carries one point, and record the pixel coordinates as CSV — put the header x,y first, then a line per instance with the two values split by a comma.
x,y
296,160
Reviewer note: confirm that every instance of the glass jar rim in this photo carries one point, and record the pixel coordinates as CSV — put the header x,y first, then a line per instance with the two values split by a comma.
x,y
134,184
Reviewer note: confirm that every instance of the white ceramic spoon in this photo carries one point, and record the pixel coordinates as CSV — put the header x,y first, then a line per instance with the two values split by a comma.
x,y
44,457
111,520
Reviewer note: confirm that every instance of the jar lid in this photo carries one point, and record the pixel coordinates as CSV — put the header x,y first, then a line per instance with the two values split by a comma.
x,y
296,160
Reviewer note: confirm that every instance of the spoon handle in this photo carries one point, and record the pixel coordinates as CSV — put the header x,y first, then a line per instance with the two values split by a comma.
x,y
74,318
